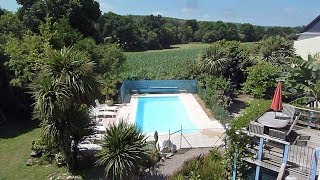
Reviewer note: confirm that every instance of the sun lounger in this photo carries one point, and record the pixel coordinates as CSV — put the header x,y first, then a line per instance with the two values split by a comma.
x,y
100,129
105,114
105,107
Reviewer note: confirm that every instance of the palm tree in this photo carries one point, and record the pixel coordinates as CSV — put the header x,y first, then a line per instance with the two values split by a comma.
x,y
213,60
51,98
66,82
123,150
74,69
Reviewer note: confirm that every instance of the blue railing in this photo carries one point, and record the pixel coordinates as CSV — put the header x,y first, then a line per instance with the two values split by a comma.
x,y
315,164
287,155
155,86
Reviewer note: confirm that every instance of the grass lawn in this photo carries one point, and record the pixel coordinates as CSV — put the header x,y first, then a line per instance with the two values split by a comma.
x,y
14,154
171,63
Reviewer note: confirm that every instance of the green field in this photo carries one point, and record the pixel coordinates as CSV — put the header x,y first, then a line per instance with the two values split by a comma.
x,y
171,63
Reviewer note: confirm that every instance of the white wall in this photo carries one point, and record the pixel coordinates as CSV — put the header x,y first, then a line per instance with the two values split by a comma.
x,y
307,46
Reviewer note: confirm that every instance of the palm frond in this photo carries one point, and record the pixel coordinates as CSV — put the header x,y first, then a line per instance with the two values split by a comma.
x,y
302,100
74,69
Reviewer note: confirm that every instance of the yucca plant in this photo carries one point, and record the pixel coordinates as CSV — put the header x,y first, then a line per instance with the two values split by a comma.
x,y
74,69
65,83
122,151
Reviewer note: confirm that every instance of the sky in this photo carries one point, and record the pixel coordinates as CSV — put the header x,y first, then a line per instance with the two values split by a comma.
x,y
258,12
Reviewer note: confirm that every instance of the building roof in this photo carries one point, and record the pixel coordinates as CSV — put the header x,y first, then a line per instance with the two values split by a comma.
x,y
313,26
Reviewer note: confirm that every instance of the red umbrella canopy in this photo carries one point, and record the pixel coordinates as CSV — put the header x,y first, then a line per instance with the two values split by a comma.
x,y
276,104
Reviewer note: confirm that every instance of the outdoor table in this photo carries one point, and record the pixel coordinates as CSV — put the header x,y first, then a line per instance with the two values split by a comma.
x,y
268,119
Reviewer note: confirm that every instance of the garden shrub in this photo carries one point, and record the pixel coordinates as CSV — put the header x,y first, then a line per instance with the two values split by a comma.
x,y
203,167
218,91
261,80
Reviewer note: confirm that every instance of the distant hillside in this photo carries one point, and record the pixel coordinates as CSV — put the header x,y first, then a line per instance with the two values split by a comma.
x,y
173,21
179,22
157,32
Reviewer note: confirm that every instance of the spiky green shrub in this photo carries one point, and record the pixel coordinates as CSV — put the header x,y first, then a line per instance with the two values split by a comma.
x,y
122,151
225,58
275,49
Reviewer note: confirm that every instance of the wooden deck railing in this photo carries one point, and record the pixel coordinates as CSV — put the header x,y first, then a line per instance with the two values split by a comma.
x,y
280,156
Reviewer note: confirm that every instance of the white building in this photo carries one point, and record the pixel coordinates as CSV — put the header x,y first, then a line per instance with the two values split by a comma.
x,y
309,39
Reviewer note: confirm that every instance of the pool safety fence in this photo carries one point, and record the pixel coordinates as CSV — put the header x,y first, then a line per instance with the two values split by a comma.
x,y
156,87
193,138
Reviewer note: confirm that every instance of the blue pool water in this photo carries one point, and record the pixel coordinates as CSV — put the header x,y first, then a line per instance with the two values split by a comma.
x,y
162,114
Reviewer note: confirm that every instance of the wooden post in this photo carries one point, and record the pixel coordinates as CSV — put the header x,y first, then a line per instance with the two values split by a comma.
x,y
309,119
284,163
169,134
314,164
259,157
234,173
180,136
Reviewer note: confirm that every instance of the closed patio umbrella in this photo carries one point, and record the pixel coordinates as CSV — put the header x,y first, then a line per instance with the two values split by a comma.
x,y
276,104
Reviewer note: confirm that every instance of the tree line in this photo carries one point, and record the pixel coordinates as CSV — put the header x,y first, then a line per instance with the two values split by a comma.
x,y
136,33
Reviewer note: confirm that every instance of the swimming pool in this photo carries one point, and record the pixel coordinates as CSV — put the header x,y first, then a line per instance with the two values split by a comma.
x,y
162,114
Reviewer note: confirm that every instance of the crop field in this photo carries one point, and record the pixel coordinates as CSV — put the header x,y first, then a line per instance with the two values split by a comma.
x,y
174,63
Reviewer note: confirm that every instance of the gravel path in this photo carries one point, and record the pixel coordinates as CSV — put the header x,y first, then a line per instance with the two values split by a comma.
x,y
174,163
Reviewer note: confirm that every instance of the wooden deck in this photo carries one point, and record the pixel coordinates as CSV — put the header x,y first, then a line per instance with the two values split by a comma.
x,y
300,158
313,133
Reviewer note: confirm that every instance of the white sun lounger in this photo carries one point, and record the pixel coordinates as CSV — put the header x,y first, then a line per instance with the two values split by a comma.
x,y
104,113
106,107
100,129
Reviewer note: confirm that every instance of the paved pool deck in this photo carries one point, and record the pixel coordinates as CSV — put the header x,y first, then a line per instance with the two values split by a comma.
x,y
208,130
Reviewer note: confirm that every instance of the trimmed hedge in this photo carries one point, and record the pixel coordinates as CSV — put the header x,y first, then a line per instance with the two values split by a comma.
x,y
255,109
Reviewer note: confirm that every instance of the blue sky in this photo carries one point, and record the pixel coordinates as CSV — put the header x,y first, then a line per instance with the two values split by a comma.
x,y
259,12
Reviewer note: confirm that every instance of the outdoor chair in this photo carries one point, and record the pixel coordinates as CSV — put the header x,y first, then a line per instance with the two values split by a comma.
x,y
284,133
302,140
290,111
256,128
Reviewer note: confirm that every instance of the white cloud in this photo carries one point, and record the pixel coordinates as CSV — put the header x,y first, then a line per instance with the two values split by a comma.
x,y
229,12
155,13
188,10
190,7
